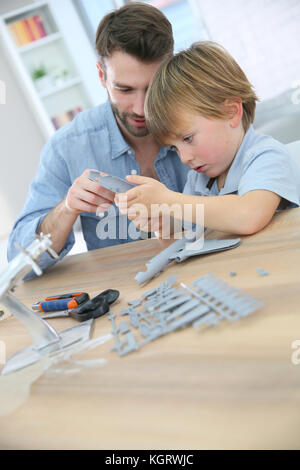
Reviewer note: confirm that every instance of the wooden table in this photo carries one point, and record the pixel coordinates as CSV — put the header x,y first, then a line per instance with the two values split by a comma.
x,y
232,386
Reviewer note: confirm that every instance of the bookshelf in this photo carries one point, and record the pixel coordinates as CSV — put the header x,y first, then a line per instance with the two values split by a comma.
x,y
38,50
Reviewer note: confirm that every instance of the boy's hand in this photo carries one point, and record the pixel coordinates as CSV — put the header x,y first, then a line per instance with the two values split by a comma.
x,y
149,191
137,202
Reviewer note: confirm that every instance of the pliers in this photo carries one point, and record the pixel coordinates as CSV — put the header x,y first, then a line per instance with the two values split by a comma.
x,y
93,308
61,302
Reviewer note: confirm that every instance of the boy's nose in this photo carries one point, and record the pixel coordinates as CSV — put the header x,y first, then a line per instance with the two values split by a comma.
x,y
186,157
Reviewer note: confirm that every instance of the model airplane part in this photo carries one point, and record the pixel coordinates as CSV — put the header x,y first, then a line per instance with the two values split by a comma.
x,y
210,246
126,345
225,301
177,251
166,308
46,341
160,261
113,183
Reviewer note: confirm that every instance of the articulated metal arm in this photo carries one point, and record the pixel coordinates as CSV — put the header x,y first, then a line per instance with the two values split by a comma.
x,y
42,334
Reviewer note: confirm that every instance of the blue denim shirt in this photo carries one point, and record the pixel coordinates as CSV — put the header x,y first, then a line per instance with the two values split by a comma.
x,y
92,140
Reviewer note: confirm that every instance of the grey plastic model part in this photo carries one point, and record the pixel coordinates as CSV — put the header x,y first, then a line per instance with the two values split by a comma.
x,y
177,251
232,273
187,306
129,343
135,303
165,325
163,287
113,183
158,262
166,308
210,246
262,272
211,319
160,299
225,301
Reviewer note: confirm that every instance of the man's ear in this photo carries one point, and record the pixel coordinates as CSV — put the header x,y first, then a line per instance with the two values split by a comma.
x,y
101,73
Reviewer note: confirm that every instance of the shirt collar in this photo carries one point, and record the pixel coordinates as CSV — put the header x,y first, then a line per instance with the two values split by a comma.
x,y
163,151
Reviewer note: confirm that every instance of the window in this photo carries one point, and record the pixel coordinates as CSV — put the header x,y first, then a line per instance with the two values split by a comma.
x,y
91,12
180,13
182,18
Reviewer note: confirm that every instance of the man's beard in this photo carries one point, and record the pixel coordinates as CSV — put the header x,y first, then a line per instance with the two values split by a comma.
x,y
133,130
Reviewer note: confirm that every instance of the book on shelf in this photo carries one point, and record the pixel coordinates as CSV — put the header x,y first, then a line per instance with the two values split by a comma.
x,y
66,117
27,30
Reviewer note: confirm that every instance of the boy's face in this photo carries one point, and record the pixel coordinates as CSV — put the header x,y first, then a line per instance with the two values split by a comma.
x,y
207,145
126,80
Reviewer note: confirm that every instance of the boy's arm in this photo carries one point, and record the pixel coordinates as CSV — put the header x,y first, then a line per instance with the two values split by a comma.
x,y
242,215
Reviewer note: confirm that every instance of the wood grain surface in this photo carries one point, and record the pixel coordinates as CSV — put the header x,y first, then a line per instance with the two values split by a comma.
x,y
232,386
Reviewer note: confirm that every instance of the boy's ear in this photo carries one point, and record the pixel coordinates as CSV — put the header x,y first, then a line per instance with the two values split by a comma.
x,y
234,110
101,73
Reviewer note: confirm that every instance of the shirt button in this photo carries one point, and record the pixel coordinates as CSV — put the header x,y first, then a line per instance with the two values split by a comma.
x,y
129,152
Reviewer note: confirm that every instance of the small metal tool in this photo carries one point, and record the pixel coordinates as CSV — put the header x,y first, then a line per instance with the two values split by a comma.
x,y
61,302
93,308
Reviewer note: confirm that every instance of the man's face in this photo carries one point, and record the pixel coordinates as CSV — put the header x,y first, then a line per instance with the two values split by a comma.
x,y
126,80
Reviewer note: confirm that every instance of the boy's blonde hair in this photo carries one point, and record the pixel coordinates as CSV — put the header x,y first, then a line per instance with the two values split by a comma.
x,y
198,80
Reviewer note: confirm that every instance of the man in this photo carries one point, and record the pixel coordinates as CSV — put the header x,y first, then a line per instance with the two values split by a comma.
x,y
131,43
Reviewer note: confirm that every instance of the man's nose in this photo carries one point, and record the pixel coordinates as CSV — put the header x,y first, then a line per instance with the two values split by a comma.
x,y
138,107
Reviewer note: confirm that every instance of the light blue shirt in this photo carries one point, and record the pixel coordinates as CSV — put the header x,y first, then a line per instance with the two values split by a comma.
x,y
260,163
92,140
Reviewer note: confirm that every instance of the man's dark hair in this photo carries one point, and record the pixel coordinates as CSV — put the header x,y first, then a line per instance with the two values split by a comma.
x,y
138,29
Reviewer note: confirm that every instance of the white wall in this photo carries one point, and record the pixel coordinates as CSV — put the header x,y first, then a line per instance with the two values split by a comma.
x,y
262,35
21,140
20,144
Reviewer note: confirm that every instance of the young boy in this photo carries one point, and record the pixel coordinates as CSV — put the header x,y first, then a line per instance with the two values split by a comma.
x,y
201,103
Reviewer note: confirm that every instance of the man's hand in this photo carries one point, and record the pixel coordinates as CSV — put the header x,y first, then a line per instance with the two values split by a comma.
x,y
86,195
83,195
